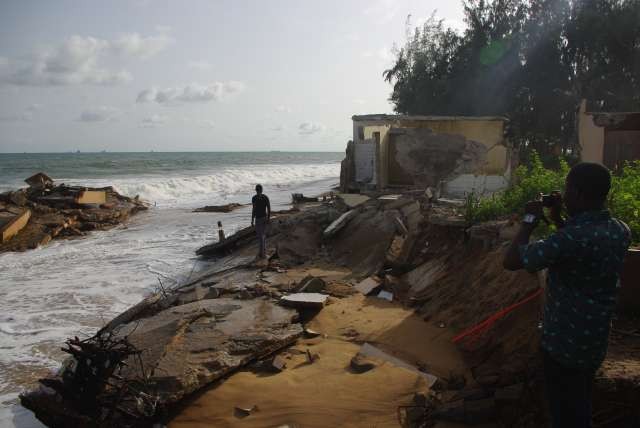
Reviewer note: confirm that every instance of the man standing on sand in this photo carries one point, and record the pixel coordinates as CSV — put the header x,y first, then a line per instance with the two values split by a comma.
x,y
260,215
584,257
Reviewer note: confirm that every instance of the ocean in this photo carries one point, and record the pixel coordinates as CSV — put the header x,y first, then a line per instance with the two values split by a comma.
x,y
73,287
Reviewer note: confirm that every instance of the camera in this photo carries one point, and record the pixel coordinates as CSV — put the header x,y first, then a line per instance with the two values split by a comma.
x,y
551,200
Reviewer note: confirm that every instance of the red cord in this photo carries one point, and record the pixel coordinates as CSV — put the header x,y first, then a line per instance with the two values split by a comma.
x,y
486,324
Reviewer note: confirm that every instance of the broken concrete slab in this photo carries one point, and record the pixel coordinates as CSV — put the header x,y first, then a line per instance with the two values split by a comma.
x,y
423,277
11,225
185,348
371,351
339,224
368,285
353,200
385,295
219,208
39,181
91,197
304,300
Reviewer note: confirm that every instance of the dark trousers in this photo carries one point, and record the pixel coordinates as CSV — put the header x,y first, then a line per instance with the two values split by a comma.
x,y
568,393
261,233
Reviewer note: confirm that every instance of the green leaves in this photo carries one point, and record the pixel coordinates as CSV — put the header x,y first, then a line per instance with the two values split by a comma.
x,y
528,182
532,61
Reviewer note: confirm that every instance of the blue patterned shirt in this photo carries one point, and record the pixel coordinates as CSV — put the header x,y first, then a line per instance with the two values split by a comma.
x,y
584,260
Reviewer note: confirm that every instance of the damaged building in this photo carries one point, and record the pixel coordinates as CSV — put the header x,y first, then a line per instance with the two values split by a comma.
x,y
608,138
452,154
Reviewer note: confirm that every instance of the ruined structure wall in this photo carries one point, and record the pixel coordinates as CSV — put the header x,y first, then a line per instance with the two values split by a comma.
x,y
420,156
488,132
590,136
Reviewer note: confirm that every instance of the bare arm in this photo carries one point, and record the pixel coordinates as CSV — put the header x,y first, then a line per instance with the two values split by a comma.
x,y
512,259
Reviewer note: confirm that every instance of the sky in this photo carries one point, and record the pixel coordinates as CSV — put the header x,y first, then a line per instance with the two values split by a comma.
x,y
163,75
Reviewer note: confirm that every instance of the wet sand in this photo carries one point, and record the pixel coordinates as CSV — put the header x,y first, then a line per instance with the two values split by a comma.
x,y
327,393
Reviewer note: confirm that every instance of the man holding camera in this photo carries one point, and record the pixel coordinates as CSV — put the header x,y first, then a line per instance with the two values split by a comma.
x,y
584,258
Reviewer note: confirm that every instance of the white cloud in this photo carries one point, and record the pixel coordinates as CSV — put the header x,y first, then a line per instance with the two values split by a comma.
x,y
191,93
309,128
135,45
80,60
153,121
382,11
200,65
352,37
25,116
383,54
99,114
283,109
34,107
164,29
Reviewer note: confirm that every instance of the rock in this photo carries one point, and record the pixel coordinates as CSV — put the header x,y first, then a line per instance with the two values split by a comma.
x,y
244,411
361,364
368,286
310,334
304,300
312,284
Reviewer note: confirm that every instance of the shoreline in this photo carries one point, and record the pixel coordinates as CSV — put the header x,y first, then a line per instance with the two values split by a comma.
x,y
433,246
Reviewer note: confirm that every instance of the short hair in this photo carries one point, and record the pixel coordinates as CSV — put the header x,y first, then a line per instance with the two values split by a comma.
x,y
258,187
593,180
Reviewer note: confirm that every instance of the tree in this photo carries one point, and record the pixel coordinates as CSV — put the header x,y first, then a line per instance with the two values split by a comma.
x,y
529,60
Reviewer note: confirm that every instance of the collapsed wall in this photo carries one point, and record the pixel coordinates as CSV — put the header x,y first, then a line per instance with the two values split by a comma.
x,y
425,158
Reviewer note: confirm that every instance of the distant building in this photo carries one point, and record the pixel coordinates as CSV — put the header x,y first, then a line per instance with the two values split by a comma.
x,y
608,138
453,154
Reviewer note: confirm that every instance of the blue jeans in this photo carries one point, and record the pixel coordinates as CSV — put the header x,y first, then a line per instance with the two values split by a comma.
x,y
261,233
568,394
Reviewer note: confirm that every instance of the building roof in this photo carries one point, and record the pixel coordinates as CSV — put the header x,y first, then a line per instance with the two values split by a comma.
x,y
400,117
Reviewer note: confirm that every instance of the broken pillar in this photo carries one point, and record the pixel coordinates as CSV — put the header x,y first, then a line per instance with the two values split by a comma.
x,y
11,224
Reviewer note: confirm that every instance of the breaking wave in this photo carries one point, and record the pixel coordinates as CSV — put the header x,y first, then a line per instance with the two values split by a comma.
x,y
225,184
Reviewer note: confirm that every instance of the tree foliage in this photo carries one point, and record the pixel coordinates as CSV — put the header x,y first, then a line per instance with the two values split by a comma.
x,y
529,60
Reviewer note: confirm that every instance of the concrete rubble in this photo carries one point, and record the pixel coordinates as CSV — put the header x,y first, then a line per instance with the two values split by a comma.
x,y
33,216
219,208
408,248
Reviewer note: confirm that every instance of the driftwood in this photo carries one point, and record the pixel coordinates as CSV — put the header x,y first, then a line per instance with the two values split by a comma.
x,y
91,384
